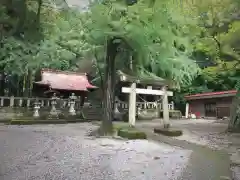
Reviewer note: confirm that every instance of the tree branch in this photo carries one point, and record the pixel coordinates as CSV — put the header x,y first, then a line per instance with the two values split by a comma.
x,y
39,11
218,42
22,17
99,72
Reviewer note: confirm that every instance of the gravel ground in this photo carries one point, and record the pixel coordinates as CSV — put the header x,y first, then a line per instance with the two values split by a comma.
x,y
64,152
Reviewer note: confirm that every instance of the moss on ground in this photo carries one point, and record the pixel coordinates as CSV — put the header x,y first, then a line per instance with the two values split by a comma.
x,y
31,122
37,121
125,131
118,126
121,129
132,133
168,131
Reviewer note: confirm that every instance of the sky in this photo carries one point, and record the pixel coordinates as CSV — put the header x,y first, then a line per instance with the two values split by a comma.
x,y
80,4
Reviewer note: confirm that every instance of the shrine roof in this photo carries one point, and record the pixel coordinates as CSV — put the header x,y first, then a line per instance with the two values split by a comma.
x,y
208,95
63,80
148,79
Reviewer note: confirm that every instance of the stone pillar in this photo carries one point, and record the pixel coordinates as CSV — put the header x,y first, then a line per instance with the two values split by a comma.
x,y
11,101
138,111
132,105
72,99
2,101
172,105
20,102
187,110
36,109
159,108
116,108
166,122
42,103
28,102
64,103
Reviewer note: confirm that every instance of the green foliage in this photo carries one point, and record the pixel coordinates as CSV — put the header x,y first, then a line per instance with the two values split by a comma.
x,y
40,47
158,37
217,46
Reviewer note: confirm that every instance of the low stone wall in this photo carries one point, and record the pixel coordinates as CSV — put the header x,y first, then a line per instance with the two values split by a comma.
x,y
148,114
7,113
24,108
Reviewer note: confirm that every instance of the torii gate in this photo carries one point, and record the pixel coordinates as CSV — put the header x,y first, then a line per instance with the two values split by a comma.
x,y
132,101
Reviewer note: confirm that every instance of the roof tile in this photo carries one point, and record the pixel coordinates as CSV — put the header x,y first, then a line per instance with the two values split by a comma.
x,y
62,80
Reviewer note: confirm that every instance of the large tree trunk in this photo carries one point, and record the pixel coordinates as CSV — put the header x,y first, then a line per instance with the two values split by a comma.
x,y
2,84
234,123
106,127
28,84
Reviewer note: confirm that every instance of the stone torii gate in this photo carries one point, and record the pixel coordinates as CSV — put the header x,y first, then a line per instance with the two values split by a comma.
x,y
132,101
132,90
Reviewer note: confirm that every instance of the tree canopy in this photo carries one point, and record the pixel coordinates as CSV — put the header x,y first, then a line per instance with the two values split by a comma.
x,y
157,36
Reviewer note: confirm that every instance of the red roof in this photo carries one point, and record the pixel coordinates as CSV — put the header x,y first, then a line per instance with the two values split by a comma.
x,y
212,94
62,80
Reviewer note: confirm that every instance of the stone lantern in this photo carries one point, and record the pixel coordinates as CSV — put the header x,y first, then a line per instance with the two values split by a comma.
x,y
53,111
72,99
36,109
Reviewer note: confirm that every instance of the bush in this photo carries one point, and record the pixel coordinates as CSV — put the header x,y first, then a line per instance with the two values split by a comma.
x,y
168,132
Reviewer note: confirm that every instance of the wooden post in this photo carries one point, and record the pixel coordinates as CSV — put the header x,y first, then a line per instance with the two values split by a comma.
x,y
132,105
165,108
187,110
